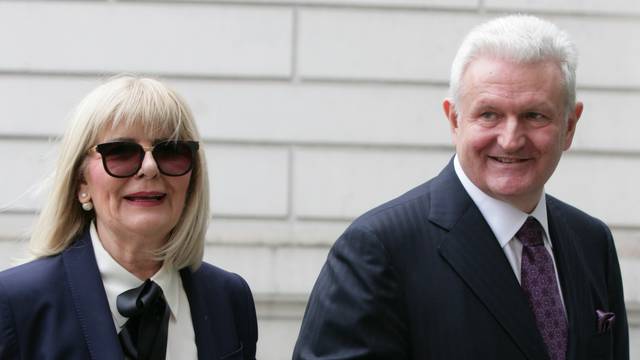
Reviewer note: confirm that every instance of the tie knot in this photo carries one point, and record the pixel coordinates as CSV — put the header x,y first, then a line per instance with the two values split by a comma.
x,y
144,335
137,301
530,234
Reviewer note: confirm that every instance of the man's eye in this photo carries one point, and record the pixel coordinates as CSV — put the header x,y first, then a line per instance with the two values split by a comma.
x,y
489,115
534,116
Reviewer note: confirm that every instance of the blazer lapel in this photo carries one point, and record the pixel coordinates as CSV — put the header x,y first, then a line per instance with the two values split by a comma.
x,y
199,316
570,266
90,300
473,252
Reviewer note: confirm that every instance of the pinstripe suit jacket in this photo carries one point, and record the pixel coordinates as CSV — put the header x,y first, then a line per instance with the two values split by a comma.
x,y
423,277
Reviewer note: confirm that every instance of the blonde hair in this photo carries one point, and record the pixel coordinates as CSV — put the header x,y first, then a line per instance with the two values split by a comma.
x,y
128,100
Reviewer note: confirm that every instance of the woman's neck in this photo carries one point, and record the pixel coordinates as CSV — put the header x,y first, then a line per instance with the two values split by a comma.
x,y
134,252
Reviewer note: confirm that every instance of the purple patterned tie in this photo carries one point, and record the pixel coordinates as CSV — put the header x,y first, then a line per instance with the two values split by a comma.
x,y
538,280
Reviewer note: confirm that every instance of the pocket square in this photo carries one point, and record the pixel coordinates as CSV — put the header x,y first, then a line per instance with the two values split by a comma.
x,y
605,320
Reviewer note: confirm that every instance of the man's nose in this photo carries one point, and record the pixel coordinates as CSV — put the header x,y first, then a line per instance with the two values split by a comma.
x,y
512,135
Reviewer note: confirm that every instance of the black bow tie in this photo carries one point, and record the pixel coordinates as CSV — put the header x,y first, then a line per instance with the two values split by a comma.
x,y
144,335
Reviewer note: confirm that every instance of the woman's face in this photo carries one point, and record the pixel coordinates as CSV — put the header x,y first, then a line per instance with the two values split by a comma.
x,y
147,204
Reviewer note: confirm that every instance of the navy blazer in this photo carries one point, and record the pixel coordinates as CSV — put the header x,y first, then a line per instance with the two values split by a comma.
x,y
56,308
423,277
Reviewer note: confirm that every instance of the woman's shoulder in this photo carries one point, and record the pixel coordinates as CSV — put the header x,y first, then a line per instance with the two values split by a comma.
x,y
32,277
216,275
219,280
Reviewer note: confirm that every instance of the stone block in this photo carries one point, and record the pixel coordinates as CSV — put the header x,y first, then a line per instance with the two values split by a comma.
x,y
608,52
187,39
248,180
343,183
280,232
318,113
297,268
603,185
608,122
466,4
39,105
611,7
254,264
12,253
379,45
27,165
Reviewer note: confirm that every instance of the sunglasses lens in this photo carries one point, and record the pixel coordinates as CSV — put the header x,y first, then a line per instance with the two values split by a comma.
x,y
121,159
174,158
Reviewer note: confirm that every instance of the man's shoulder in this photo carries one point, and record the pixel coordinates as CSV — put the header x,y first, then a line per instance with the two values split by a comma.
x,y
572,214
408,206
588,228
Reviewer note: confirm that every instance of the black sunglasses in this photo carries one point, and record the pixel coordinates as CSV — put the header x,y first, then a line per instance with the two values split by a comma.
x,y
123,159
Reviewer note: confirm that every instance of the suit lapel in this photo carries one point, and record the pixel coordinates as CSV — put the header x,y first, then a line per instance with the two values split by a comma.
x,y
472,250
199,316
90,300
570,266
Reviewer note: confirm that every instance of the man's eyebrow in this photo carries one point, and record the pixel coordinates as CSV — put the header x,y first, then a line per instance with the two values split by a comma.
x,y
545,106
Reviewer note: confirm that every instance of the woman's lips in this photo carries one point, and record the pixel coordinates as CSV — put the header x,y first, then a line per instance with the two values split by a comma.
x,y
146,197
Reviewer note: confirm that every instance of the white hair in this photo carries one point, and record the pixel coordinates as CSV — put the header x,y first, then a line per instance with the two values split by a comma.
x,y
519,38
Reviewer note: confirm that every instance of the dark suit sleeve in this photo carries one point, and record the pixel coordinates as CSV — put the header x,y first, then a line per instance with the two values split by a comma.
x,y
8,340
246,321
356,309
616,302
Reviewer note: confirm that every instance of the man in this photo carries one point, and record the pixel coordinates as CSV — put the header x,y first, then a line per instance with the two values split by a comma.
x,y
480,263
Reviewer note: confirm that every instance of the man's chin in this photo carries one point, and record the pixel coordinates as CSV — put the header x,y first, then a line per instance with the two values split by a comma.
x,y
519,196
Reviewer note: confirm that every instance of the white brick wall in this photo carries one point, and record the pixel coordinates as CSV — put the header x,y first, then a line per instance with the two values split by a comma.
x,y
26,164
330,183
311,111
618,7
600,184
153,38
317,112
249,180
377,44
608,123
608,52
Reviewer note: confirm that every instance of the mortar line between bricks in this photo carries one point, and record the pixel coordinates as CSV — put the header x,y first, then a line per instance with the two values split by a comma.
x,y
290,186
344,145
480,7
97,75
294,44
303,80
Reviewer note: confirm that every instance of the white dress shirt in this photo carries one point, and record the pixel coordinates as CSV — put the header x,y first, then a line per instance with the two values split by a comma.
x,y
505,220
116,279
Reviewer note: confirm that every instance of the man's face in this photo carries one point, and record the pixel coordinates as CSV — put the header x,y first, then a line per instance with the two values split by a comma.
x,y
509,127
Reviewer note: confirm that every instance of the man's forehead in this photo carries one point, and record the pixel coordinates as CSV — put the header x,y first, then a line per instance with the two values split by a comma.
x,y
507,79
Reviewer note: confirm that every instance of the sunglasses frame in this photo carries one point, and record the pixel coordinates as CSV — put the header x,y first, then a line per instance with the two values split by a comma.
x,y
192,145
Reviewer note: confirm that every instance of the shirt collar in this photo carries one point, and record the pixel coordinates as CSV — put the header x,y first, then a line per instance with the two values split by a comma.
x,y
503,218
116,279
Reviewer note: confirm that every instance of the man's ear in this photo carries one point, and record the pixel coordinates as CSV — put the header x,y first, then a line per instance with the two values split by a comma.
x,y
452,116
572,122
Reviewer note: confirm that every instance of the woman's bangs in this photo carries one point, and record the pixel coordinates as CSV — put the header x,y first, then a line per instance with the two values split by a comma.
x,y
159,115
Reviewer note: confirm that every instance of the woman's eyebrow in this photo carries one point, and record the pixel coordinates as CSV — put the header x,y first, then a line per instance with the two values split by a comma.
x,y
159,140
126,139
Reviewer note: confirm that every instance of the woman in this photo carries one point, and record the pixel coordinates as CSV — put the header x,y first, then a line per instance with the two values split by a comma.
x,y
119,243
